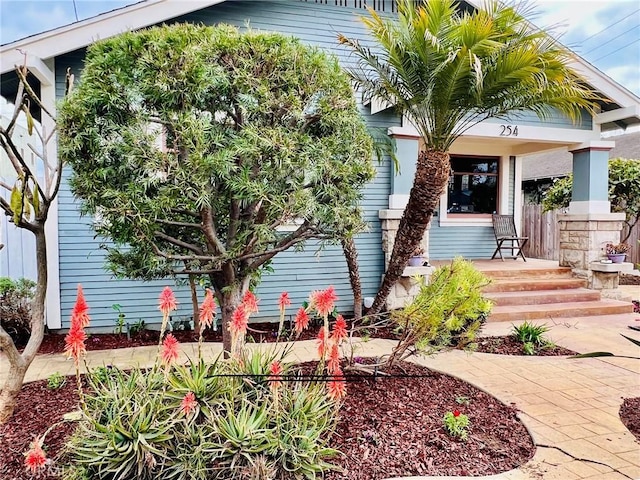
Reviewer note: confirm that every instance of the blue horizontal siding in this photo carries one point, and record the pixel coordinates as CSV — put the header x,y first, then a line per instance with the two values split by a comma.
x,y
82,260
452,241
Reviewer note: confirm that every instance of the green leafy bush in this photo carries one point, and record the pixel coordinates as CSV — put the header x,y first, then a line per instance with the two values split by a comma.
x,y
448,311
56,381
241,427
15,308
532,337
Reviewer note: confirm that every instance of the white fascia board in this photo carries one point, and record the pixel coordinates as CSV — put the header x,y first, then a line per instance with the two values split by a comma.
x,y
526,133
632,111
80,34
604,84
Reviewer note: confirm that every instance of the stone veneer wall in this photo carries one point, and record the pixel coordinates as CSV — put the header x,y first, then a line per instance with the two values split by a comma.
x,y
407,286
583,239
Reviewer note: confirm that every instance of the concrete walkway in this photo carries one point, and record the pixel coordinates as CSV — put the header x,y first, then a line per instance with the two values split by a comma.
x,y
569,406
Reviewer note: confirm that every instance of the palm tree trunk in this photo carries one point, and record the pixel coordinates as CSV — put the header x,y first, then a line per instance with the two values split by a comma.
x,y
351,256
432,174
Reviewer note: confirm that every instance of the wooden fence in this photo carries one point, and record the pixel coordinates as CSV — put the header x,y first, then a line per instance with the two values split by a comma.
x,y
544,235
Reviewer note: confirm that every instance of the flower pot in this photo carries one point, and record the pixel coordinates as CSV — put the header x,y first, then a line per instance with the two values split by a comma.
x,y
616,257
416,261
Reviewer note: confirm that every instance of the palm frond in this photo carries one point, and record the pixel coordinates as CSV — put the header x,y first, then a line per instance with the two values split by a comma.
x,y
448,70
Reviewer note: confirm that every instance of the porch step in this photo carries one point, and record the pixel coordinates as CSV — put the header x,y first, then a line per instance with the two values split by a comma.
x,y
506,313
529,284
497,273
538,297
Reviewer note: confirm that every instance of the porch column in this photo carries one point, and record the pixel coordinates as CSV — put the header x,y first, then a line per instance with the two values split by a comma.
x,y
589,225
407,149
590,189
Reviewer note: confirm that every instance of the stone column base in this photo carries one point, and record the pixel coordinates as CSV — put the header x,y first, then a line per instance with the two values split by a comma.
x,y
583,239
407,287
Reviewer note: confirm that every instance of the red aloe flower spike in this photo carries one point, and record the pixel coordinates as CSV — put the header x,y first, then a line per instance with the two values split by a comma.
x,y
302,320
74,342
189,403
168,301
80,312
250,302
207,310
239,320
170,349
333,365
324,301
337,387
456,413
339,329
276,374
35,458
284,301
322,342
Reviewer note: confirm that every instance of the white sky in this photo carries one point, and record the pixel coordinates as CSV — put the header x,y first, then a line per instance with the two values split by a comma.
x,y
605,32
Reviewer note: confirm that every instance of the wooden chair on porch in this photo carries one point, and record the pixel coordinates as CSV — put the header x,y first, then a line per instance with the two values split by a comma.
x,y
504,229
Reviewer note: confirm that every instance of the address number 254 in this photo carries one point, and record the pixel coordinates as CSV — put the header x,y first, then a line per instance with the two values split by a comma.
x,y
508,130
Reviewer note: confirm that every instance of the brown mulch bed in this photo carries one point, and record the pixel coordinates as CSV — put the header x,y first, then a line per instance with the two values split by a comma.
x,y
257,333
509,345
388,427
630,415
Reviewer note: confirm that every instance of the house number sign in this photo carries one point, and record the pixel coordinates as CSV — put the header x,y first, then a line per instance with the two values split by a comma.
x,y
508,130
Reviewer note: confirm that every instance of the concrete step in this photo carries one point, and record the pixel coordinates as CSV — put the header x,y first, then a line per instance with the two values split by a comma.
x,y
496,272
522,285
537,297
510,313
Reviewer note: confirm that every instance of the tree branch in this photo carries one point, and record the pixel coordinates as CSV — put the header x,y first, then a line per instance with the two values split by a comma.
x,y
209,230
303,233
179,243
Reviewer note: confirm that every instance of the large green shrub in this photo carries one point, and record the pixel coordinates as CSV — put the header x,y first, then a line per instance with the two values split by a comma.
x,y
242,427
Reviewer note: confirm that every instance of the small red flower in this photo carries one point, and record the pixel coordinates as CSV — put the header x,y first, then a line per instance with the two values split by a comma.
x,y
284,301
322,342
170,349
456,413
250,302
207,310
302,320
189,403
333,365
80,312
276,374
339,329
324,301
168,301
35,458
337,387
239,320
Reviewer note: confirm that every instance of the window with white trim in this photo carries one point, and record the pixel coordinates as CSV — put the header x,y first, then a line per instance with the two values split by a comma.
x,y
473,187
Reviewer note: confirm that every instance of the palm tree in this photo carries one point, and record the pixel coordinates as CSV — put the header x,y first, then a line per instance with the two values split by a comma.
x,y
447,70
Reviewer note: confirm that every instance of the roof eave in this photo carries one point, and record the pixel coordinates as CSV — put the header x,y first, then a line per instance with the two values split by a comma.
x,y
76,35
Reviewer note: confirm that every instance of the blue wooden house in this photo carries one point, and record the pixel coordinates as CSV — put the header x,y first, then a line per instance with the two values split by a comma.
x,y
486,162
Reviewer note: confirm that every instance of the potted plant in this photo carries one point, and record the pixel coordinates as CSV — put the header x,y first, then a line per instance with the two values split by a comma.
x,y
617,251
417,257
